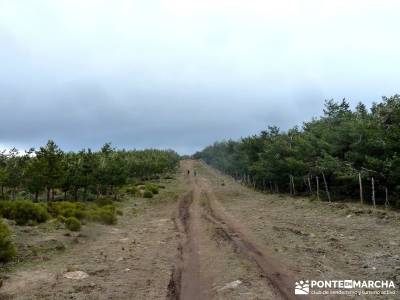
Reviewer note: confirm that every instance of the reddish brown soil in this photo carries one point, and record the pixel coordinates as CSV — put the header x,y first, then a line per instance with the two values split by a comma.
x,y
199,208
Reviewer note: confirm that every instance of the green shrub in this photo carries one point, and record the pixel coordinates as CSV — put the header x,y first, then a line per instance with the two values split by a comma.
x,y
6,208
111,208
133,190
152,188
23,212
106,214
67,209
7,248
102,201
73,224
147,194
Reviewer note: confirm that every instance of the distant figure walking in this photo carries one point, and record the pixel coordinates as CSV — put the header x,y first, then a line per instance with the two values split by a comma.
x,y
188,172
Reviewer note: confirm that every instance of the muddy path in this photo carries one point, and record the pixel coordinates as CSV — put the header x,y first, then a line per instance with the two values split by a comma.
x,y
186,281
205,226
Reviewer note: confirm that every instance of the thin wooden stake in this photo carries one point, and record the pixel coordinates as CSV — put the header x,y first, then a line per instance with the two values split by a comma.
x,y
294,191
326,187
317,179
386,197
309,184
361,188
373,191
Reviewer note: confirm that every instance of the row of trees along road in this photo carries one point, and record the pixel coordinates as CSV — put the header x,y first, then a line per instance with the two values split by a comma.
x,y
344,154
78,174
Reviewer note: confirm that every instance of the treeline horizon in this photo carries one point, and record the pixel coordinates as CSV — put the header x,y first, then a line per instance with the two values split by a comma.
x,y
79,175
343,154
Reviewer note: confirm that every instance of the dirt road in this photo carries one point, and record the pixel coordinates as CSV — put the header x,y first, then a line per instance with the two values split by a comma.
x,y
208,237
214,247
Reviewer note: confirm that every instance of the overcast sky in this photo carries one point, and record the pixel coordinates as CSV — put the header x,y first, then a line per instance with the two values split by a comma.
x,y
181,74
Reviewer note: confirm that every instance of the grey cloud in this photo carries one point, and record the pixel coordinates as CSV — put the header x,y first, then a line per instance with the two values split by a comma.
x,y
183,75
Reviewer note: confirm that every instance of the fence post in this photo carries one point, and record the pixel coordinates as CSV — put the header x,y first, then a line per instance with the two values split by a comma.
x,y
386,197
326,187
293,189
361,189
373,191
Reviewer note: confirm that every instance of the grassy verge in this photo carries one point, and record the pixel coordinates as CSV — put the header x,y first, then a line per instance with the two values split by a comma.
x,y
38,239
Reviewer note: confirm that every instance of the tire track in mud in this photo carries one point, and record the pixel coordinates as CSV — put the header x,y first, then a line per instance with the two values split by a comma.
x,y
186,282
181,226
280,279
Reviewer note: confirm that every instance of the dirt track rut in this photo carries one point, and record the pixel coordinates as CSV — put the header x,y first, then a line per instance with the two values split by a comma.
x,y
198,210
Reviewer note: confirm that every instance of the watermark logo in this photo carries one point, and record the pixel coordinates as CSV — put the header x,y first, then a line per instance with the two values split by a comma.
x,y
302,287
345,287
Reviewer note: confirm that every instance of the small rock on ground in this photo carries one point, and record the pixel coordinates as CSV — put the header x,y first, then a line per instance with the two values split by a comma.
x,y
76,275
